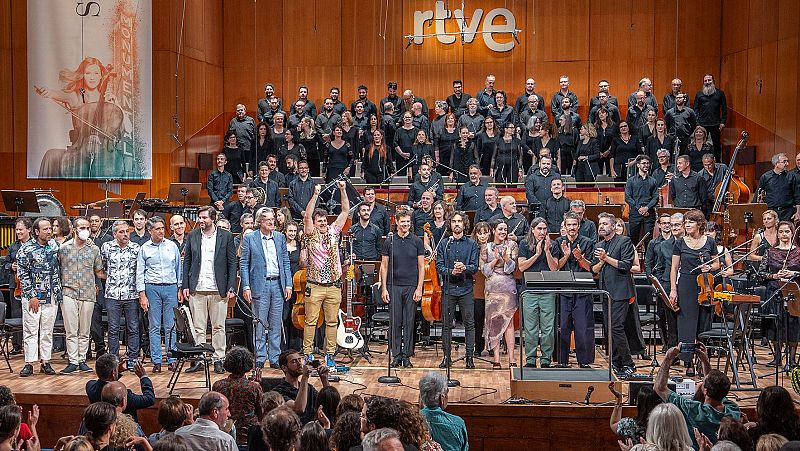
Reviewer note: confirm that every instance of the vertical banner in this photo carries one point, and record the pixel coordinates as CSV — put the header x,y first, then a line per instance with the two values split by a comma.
x,y
90,89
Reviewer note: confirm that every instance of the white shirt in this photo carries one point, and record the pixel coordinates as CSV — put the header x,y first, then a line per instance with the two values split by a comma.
x,y
206,280
270,254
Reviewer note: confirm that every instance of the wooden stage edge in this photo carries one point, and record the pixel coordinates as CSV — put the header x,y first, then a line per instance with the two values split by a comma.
x,y
492,424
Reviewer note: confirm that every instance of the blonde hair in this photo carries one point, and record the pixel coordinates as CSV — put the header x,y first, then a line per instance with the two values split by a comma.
x,y
770,442
124,429
79,443
666,428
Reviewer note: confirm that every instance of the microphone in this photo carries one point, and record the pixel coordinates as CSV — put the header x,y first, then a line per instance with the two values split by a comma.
x,y
588,394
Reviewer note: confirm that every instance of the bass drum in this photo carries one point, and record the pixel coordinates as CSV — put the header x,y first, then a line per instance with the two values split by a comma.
x,y
49,207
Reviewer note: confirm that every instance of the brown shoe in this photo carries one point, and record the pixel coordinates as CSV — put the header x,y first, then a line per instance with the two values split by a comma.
x,y
156,367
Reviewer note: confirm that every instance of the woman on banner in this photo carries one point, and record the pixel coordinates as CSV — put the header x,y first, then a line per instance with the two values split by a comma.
x,y
96,123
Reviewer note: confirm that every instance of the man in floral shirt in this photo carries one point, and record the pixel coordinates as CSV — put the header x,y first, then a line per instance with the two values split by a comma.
x,y
39,274
119,258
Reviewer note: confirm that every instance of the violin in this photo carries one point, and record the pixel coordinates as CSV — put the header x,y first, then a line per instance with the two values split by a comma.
x,y
431,289
705,281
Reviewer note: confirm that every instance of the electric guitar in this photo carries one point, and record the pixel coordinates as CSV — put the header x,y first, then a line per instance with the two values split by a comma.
x,y
347,333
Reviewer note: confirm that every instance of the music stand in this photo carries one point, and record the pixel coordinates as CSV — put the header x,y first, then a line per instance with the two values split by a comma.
x,y
20,201
593,211
184,192
135,205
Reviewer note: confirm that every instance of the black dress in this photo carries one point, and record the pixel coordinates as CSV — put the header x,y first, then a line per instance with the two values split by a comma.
x,y
462,158
262,150
278,140
507,158
586,170
338,158
375,167
692,318
605,136
552,145
351,137
446,142
235,164
404,139
293,337
783,326
654,144
696,155
623,151
314,149
297,150
485,145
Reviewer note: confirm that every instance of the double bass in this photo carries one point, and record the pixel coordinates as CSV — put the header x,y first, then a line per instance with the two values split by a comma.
x,y
731,186
299,308
431,289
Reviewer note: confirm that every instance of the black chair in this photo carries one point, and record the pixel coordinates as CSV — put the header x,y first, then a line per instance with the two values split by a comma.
x,y
11,327
5,335
186,349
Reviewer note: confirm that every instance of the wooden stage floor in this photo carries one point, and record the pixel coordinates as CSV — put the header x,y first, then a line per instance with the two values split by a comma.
x,y
479,386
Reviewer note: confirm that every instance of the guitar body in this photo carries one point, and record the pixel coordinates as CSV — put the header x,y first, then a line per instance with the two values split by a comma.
x,y
347,333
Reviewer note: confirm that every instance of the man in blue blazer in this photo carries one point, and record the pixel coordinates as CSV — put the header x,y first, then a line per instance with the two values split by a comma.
x,y
266,283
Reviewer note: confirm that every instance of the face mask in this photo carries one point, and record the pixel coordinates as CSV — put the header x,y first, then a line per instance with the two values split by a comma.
x,y
83,234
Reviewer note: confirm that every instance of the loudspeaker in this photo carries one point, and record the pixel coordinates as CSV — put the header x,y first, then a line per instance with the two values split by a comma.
x,y
205,161
189,175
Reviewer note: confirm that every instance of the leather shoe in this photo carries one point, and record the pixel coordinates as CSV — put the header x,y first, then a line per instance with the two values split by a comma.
x,y
274,366
47,369
445,363
15,351
156,367
407,363
26,371
218,367
397,362
198,366
585,365
470,363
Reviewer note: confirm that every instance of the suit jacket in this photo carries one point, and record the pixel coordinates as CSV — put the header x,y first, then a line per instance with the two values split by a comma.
x,y
617,281
94,389
253,266
224,261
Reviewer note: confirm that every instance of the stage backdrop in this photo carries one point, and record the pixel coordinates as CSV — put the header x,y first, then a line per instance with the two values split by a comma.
x,y
90,89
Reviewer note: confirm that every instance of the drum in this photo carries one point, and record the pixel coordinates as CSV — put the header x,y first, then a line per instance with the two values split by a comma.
x,y
49,206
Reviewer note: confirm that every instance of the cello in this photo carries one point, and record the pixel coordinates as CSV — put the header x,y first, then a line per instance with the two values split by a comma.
x,y
431,289
731,186
299,308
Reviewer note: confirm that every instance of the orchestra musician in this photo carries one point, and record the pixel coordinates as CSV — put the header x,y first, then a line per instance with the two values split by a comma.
x,y
613,259
517,224
422,184
554,207
536,254
688,189
781,189
766,237
402,273
641,195
423,214
695,253
662,269
781,263
456,262
664,170
576,313
324,272
490,205
471,194
366,236
378,214
587,228
725,258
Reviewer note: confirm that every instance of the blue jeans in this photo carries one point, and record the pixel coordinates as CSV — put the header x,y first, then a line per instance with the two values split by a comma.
x,y
268,308
115,309
162,299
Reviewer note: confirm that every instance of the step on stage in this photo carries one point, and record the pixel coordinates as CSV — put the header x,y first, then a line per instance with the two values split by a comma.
x,y
495,418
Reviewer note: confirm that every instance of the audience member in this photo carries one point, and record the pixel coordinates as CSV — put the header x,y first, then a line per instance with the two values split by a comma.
x,y
776,415
350,403
383,439
10,423
770,442
413,428
7,399
346,433
313,438
281,429
298,393
244,394
628,427
725,445
99,419
107,370
206,432
173,413
666,428
326,405
447,429
733,430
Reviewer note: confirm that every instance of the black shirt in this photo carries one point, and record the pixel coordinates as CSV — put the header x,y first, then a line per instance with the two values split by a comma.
x,y
484,214
458,105
419,187
553,210
780,190
419,218
641,192
471,196
585,244
403,253
526,251
711,110
366,241
681,123
233,213
720,170
289,393
517,224
688,192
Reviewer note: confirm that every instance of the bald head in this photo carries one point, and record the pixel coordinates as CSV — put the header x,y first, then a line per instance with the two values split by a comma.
x,y
116,394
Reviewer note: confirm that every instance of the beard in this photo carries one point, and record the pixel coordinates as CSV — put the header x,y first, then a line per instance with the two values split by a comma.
x,y
709,89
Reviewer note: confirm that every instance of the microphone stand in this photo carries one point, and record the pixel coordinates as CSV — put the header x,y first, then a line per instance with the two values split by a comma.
x,y
389,379
255,320
448,320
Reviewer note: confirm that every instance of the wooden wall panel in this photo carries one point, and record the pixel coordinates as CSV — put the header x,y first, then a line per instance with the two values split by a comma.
x,y
734,26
